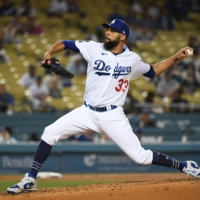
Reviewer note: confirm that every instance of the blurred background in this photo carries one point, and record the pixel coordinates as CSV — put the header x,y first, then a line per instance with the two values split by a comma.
x,y
163,109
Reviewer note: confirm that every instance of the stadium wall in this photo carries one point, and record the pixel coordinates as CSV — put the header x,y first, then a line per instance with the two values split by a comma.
x,y
90,158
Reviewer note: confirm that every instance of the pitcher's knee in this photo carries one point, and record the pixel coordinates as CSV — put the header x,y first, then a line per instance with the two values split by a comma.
x,y
46,130
141,162
49,136
144,158
50,130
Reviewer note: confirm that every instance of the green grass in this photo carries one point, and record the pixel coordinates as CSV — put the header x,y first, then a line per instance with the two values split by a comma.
x,y
54,183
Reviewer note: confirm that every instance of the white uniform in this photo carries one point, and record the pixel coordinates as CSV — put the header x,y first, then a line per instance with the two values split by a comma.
x,y
107,84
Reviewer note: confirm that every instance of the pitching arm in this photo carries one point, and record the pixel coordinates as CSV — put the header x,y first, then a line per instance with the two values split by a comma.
x,y
161,67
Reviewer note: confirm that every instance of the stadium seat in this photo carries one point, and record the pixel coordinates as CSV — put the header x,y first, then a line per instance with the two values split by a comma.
x,y
32,48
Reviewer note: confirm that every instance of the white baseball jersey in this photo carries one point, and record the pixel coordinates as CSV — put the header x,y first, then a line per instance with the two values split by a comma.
x,y
107,83
108,75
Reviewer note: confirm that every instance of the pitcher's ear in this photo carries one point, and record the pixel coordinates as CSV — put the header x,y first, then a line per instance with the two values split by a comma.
x,y
123,37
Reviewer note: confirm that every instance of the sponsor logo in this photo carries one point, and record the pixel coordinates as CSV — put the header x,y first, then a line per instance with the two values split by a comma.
x,y
29,185
194,166
105,160
89,160
20,162
113,21
104,54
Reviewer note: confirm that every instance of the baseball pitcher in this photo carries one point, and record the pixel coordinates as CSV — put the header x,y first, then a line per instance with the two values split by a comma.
x,y
111,65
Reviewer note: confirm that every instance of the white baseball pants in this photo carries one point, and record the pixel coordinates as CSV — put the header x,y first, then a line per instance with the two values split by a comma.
x,y
113,123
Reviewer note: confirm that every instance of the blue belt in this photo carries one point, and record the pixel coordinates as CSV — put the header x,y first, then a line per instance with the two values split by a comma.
x,y
100,109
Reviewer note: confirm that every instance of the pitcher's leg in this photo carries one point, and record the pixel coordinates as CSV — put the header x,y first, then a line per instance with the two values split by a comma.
x,y
130,144
77,121
117,127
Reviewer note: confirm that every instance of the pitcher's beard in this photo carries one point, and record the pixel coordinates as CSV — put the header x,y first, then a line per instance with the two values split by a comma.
x,y
109,45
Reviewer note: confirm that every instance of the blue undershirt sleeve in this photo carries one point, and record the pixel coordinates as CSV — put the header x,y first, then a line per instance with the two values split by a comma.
x,y
151,73
70,44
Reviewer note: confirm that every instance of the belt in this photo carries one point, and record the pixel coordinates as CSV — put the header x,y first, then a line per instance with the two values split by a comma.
x,y
100,109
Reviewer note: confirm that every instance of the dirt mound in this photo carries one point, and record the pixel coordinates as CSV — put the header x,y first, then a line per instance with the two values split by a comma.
x,y
138,187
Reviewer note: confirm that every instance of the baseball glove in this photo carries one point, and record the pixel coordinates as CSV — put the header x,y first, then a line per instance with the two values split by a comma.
x,y
54,65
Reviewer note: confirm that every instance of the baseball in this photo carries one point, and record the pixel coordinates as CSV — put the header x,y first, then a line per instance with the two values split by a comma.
x,y
190,52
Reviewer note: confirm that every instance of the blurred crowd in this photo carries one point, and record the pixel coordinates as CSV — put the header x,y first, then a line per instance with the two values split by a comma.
x,y
40,86
144,19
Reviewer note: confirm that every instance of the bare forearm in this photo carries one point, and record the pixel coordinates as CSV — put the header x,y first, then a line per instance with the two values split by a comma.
x,y
159,68
57,47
